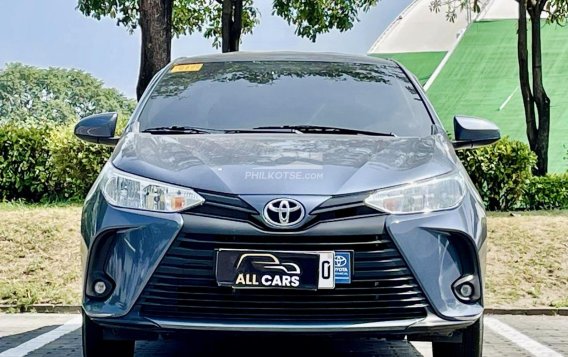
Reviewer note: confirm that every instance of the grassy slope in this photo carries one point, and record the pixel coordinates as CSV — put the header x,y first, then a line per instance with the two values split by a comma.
x,y
526,260
39,254
422,64
482,73
40,263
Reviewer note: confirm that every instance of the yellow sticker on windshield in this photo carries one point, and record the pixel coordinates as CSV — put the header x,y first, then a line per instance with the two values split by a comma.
x,y
194,67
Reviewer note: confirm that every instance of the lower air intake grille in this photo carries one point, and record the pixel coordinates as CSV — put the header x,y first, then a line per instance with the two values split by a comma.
x,y
184,285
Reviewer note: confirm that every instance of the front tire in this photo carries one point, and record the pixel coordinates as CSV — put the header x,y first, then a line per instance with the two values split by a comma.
x,y
470,346
94,345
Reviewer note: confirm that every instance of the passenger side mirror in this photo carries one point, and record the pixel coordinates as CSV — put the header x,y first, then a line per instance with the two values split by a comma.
x,y
98,129
472,132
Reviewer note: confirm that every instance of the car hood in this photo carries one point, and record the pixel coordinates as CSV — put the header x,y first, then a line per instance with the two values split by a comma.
x,y
291,164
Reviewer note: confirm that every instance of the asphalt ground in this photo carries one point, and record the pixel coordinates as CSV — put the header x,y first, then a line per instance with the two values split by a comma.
x,y
60,335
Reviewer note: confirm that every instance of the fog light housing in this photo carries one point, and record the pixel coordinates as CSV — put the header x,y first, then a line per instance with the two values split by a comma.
x,y
99,287
467,289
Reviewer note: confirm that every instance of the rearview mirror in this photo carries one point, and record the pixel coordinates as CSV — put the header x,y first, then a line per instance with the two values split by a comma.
x,y
98,129
474,132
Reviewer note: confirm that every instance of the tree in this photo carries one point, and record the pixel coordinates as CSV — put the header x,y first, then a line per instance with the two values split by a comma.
x,y
40,159
538,133
54,95
160,20
223,21
310,18
231,24
156,27
535,100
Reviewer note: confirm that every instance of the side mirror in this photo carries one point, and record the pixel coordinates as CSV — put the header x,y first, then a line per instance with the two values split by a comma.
x,y
98,129
472,132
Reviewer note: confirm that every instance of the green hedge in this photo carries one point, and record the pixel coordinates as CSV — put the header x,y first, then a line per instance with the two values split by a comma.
x,y
548,192
502,175
46,163
501,172
25,171
75,163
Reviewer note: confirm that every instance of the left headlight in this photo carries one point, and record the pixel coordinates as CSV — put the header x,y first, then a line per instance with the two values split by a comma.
x,y
125,190
435,194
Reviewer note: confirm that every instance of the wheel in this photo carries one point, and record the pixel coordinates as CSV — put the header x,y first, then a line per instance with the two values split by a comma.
x,y
94,345
471,345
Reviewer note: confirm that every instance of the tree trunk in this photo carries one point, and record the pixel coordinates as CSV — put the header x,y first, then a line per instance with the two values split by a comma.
x,y
231,23
237,25
156,27
541,100
226,22
523,58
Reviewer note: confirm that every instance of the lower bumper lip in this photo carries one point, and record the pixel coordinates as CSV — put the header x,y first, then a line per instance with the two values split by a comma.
x,y
431,322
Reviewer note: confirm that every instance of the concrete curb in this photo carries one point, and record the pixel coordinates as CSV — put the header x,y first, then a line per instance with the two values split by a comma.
x,y
42,308
75,309
549,311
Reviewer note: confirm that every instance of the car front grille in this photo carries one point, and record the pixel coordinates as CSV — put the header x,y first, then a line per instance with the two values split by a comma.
x,y
184,285
234,208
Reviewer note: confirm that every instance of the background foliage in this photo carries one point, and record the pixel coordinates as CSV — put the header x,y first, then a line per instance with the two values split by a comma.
x,y
310,18
54,95
40,159
546,192
25,172
500,172
75,164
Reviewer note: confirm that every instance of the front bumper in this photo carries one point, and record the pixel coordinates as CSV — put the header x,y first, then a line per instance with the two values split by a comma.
x,y
438,248
431,327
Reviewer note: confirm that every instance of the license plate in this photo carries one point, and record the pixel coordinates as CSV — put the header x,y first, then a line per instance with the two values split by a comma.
x,y
255,269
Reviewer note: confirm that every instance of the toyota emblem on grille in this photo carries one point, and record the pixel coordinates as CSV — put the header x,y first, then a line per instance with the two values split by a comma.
x,y
283,213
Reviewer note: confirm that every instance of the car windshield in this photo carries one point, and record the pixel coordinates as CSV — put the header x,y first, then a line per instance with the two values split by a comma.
x,y
245,95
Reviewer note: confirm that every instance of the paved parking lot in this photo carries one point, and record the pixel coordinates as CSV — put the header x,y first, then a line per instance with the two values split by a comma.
x,y
59,335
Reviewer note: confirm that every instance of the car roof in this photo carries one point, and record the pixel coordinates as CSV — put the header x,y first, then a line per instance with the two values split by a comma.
x,y
242,56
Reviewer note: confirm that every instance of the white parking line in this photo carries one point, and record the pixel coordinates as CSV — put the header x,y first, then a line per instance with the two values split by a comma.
x,y
519,339
44,339
424,348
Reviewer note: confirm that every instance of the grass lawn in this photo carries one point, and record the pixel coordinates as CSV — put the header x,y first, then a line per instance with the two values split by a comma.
x,y
527,261
482,75
39,254
40,263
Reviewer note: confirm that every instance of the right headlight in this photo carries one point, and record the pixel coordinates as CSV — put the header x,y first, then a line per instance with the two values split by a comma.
x,y
126,190
434,194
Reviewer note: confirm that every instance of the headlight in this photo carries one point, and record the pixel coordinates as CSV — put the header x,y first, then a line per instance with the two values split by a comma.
x,y
129,191
435,194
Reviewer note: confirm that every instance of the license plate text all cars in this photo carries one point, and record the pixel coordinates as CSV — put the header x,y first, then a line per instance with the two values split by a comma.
x,y
284,270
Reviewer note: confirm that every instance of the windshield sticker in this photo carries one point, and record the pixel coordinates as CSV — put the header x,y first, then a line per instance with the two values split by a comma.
x,y
194,67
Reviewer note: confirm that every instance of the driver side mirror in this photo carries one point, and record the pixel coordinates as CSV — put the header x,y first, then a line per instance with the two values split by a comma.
x,y
98,129
473,132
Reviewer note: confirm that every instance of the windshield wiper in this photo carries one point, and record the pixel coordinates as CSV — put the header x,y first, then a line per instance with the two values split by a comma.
x,y
317,129
263,130
293,129
175,129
